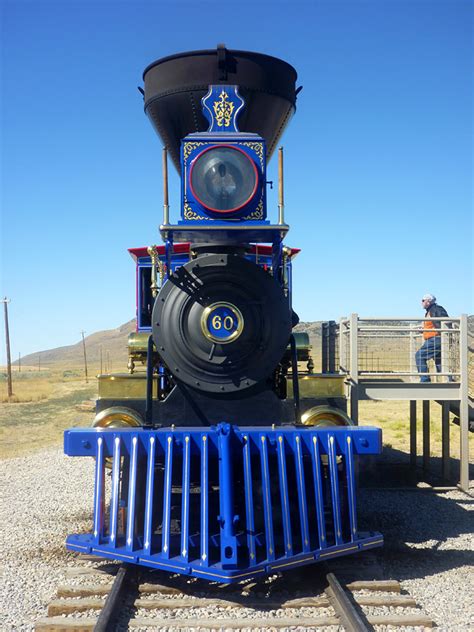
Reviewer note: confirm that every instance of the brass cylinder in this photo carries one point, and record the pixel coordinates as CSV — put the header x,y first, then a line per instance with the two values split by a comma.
x,y
166,206
154,279
281,201
323,416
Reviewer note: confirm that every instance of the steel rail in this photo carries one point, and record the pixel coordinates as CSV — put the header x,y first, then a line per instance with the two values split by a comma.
x,y
109,614
344,608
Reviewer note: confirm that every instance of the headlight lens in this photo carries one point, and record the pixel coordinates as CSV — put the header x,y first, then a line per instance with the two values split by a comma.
x,y
223,179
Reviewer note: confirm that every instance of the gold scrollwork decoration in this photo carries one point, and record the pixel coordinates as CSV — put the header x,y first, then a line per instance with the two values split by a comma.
x,y
257,148
223,110
189,214
188,148
257,213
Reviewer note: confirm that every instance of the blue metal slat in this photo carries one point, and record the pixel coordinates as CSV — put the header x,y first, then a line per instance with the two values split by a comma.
x,y
204,500
132,494
98,519
267,505
336,506
303,507
135,454
227,517
114,501
168,480
150,477
249,513
185,488
318,491
351,492
285,504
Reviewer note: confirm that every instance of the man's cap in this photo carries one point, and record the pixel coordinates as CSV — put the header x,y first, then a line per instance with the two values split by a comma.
x,y
429,297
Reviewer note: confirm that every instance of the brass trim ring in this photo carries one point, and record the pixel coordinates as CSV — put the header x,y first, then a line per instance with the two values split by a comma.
x,y
234,335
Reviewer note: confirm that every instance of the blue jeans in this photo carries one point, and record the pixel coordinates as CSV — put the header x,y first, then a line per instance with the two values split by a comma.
x,y
430,350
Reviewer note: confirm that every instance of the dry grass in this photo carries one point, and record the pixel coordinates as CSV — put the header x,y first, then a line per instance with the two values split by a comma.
x,y
44,403
31,385
394,419
42,408
28,391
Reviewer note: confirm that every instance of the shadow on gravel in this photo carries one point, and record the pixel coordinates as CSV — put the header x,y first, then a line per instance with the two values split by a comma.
x,y
425,532
264,594
392,469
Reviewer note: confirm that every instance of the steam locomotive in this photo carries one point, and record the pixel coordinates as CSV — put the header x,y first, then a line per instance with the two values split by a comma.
x,y
221,454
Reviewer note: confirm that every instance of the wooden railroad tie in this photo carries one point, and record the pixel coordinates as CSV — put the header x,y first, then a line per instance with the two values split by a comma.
x,y
162,597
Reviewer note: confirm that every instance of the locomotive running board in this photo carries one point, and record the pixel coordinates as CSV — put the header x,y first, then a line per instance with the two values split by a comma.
x,y
224,503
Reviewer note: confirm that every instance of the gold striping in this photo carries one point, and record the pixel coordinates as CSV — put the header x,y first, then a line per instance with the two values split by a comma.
x,y
350,548
257,570
179,568
127,557
305,559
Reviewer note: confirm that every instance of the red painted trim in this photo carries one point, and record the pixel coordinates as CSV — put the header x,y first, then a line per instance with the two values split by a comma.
x,y
183,248
137,280
179,249
216,210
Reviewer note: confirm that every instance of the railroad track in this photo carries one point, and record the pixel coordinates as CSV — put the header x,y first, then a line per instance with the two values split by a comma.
x,y
137,600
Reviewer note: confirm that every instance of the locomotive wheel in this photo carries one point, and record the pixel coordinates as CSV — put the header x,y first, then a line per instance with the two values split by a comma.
x,y
221,324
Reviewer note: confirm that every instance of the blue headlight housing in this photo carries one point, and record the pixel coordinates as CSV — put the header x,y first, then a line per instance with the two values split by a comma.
x,y
223,180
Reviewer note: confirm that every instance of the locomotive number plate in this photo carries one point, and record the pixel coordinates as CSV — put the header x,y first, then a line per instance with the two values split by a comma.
x,y
222,322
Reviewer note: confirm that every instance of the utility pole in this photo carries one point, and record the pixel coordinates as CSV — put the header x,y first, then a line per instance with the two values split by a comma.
x,y
5,302
101,364
85,356
19,362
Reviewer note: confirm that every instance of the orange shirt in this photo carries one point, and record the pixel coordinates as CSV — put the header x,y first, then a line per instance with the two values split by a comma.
x,y
429,330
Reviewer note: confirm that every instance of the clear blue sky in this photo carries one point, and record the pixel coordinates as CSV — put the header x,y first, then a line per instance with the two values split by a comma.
x,y
378,156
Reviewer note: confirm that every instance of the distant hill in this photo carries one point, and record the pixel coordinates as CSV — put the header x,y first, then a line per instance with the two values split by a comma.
x,y
112,342
114,349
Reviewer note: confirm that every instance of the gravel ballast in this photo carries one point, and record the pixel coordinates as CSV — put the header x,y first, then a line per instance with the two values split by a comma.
x,y
45,496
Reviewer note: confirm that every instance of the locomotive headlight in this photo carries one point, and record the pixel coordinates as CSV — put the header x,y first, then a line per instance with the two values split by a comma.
x,y
223,178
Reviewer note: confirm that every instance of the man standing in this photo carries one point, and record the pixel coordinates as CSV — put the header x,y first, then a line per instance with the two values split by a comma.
x,y
431,348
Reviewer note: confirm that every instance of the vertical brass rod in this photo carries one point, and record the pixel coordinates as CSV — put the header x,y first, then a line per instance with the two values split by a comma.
x,y
166,206
281,202
154,280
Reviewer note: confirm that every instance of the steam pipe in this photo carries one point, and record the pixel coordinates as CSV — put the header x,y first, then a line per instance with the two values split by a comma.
x,y
166,207
281,203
